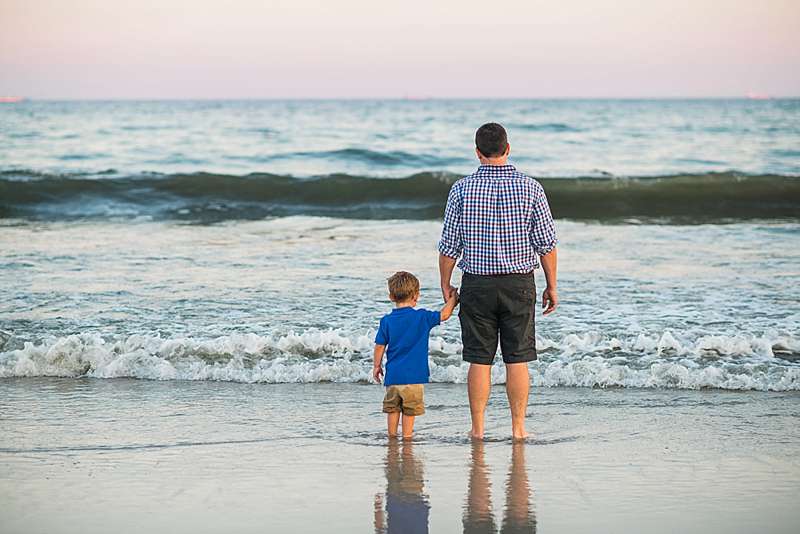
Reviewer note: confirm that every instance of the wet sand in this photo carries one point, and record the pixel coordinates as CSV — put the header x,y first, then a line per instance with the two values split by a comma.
x,y
131,455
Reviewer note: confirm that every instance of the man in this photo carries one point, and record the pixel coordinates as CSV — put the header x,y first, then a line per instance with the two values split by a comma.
x,y
498,222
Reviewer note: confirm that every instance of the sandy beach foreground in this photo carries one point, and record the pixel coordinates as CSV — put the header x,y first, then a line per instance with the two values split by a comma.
x,y
131,455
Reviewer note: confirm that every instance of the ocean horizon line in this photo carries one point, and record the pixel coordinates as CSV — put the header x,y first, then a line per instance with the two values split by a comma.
x,y
412,98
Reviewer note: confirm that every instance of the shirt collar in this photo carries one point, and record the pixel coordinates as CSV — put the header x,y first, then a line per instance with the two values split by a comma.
x,y
496,169
403,309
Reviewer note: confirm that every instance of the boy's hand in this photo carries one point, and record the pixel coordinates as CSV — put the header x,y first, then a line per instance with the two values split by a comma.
x,y
377,374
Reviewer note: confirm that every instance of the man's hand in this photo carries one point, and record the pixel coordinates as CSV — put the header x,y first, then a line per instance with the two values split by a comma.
x,y
454,296
377,374
550,267
448,291
549,300
450,305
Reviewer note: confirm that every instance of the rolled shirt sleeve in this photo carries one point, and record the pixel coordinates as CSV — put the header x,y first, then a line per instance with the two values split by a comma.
x,y
543,228
451,244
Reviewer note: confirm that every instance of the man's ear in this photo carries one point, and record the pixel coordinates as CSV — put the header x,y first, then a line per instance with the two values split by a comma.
x,y
478,153
508,149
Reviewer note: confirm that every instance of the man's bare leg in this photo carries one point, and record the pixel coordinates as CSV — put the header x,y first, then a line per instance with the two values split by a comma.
x,y
517,388
479,384
392,420
408,426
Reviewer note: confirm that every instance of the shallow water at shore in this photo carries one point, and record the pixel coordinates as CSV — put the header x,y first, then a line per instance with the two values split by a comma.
x,y
297,300
91,455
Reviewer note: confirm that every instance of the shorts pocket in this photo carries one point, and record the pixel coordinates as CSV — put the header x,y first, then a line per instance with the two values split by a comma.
x,y
528,295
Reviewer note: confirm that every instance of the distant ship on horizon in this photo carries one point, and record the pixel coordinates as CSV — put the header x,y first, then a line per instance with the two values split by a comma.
x,y
11,99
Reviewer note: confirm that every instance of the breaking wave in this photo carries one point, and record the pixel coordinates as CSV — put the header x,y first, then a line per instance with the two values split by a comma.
x,y
768,362
208,198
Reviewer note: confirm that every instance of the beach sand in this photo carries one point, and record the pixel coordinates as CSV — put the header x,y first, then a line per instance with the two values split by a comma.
x,y
132,455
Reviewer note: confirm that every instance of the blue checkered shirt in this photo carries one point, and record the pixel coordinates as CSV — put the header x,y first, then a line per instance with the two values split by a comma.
x,y
498,221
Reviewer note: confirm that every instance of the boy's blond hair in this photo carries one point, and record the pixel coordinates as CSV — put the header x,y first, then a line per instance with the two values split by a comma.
x,y
403,286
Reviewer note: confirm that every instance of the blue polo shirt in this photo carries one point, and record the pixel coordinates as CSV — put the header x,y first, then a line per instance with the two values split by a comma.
x,y
405,333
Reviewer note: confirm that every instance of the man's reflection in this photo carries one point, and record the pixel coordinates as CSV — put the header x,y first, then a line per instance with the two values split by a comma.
x,y
518,514
406,507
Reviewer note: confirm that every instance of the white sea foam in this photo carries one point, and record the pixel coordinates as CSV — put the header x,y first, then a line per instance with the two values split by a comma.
x,y
666,360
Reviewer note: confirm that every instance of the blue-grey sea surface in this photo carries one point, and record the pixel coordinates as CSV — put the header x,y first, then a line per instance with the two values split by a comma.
x,y
250,241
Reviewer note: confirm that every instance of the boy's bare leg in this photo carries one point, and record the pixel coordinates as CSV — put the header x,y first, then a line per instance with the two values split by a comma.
x,y
392,420
517,388
408,426
479,384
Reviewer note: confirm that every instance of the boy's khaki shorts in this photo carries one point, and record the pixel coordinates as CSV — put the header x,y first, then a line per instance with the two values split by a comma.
x,y
406,398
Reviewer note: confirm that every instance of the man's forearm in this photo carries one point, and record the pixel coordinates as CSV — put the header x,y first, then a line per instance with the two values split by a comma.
x,y
550,267
446,266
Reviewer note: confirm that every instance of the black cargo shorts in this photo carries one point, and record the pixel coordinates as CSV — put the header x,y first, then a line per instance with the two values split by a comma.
x,y
498,305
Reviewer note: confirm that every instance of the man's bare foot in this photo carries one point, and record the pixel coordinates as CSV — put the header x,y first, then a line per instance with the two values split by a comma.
x,y
475,435
520,436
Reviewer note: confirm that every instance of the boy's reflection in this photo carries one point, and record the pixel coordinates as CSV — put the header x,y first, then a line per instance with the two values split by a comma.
x,y
518,515
406,507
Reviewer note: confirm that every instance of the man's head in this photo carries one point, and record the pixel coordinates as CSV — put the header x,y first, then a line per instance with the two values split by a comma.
x,y
491,141
403,287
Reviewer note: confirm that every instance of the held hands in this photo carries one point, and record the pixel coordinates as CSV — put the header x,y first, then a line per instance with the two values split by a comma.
x,y
449,292
454,296
450,295
549,300
377,374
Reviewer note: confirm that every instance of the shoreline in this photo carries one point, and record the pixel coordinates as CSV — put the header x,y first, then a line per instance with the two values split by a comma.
x,y
210,456
366,383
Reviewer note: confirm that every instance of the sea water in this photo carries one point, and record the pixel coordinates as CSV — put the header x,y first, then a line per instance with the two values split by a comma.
x,y
251,241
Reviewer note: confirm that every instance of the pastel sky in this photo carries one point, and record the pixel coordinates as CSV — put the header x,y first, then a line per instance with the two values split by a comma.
x,y
406,48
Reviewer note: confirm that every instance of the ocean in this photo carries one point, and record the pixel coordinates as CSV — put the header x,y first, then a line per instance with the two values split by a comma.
x,y
250,241
182,282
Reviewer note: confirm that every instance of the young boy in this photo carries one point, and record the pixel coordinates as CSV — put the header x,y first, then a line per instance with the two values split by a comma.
x,y
403,336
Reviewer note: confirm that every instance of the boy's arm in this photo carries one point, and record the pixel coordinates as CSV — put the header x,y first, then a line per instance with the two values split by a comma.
x,y
449,306
377,358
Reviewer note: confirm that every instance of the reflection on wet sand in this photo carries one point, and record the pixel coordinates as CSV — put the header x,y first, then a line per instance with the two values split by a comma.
x,y
478,516
406,508
518,516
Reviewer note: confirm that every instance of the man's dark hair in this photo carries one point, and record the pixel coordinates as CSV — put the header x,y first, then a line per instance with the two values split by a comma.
x,y
491,140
